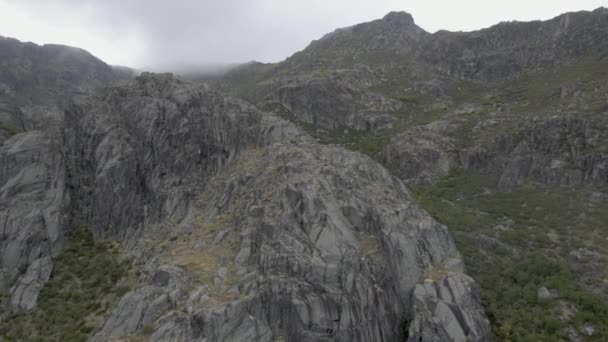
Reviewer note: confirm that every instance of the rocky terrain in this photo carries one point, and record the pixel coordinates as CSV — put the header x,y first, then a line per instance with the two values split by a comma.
x,y
154,209
323,198
501,133
35,80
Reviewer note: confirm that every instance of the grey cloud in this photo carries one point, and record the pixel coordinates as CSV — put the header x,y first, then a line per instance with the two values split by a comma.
x,y
181,33
191,32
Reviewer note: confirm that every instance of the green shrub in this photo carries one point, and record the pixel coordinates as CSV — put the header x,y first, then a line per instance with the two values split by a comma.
x,y
8,129
78,292
469,204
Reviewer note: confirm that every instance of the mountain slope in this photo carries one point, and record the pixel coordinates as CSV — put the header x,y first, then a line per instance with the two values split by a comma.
x,y
225,222
220,223
35,83
393,59
501,132
35,80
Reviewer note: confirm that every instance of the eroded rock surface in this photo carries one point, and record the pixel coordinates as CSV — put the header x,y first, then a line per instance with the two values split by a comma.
x,y
33,202
244,228
302,242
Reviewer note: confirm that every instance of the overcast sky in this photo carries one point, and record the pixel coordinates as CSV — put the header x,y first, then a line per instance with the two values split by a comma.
x,y
159,33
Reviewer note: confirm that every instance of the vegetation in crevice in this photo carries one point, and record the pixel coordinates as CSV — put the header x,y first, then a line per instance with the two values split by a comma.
x,y
8,129
203,263
368,143
83,286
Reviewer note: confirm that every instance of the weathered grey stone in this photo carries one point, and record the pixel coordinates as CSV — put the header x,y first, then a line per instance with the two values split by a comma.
x,y
588,329
143,306
161,278
573,335
421,155
257,233
289,239
198,298
543,293
24,295
33,202
331,104
447,308
172,328
309,267
553,151
36,79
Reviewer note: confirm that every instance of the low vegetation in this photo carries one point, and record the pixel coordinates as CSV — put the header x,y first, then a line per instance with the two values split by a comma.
x,y
514,243
81,290
364,142
204,262
8,129
517,242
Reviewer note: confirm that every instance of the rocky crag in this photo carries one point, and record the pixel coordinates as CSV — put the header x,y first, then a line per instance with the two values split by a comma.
x,y
238,225
500,132
317,209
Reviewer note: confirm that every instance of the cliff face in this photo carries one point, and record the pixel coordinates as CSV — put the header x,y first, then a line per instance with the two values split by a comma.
x,y
510,49
35,80
33,202
350,78
512,76
302,242
240,226
500,132
240,223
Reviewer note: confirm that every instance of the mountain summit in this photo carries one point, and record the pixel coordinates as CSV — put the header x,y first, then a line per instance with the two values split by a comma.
x,y
400,19
501,131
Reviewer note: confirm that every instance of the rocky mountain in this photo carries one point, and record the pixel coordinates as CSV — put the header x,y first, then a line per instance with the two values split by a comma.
x,y
393,56
324,198
501,134
155,209
35,80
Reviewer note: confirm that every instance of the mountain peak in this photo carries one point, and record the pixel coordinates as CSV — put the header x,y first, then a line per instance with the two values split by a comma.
x,y
400,18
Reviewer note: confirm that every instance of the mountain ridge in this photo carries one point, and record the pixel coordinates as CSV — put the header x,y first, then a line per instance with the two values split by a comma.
x,y
224,223
337,195
482,125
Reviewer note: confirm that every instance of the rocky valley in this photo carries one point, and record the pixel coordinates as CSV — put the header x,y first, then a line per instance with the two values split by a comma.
x,y
382,184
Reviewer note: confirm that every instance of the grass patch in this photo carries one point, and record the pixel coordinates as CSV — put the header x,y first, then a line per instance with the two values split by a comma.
x,y
8,129
510,274
541,90
204,262
80,291
371,246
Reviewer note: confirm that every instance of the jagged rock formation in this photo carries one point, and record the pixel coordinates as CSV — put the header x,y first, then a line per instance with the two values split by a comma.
x,y
34,197
421,155
562,151
394,58
439,315
246,229
488,123
508,50
558,152
403,60
333,105
139,151
301,242
34,80
33,201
